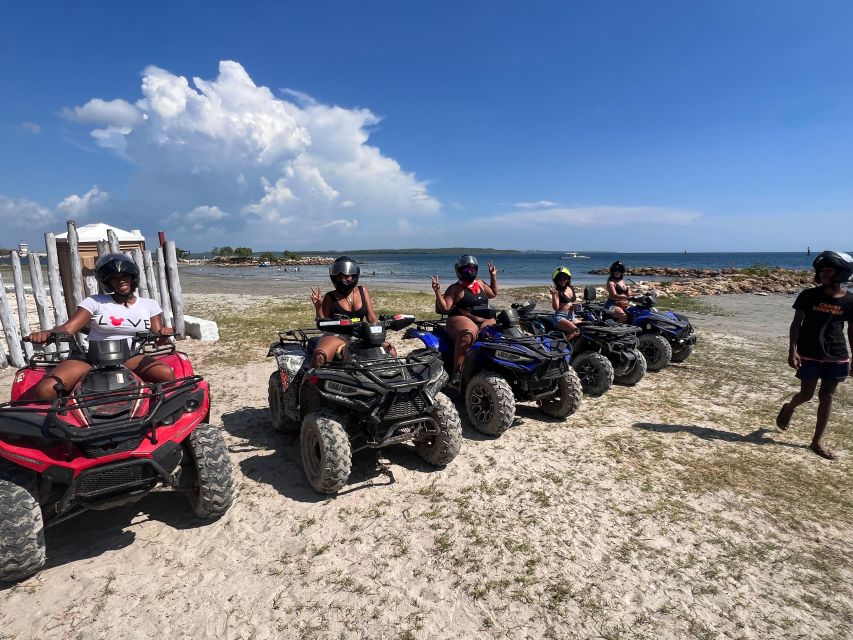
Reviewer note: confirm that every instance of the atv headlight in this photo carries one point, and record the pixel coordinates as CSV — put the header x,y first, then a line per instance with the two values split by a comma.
x,y
511,357
436,383
342,389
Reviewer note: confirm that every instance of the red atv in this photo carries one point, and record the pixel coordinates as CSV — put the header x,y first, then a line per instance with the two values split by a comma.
x,y
109,442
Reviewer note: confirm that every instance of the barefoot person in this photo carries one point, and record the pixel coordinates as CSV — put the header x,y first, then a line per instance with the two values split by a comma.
x,y
563,299
461,301
118,315
817,348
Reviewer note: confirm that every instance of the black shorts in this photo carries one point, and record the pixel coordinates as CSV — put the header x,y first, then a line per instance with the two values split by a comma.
x,y
831,371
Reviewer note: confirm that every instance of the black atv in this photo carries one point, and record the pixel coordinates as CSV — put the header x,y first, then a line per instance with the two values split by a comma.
x,y
366,400
605,351
666,336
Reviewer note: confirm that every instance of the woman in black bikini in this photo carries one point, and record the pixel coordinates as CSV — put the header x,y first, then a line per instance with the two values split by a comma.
x,y
461,301
617,292
348,300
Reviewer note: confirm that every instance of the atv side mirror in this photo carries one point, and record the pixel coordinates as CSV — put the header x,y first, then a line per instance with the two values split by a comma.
x,y
524,308
589,293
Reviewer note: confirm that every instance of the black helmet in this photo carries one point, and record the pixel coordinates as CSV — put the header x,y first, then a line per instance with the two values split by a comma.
x,y
561,271
617,266
344,266
113,263
463,268
841,262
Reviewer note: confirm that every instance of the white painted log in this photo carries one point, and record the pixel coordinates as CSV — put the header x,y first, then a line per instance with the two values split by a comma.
x,y
21,299
60,313
13,339
113,240
76,268
143,278
175,286
37,283
153,288
165,300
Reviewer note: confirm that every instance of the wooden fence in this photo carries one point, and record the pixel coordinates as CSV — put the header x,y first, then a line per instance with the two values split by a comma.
x,y
158,279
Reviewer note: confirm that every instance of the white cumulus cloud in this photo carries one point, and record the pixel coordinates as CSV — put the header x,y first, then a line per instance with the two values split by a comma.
x,y
80,206
20,213
233,146
539,204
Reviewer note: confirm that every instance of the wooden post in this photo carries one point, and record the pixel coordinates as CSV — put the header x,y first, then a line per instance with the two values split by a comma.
x,y
165,301
4,359
20,298
143,277
113,241
175,286
60,313
153,289
76,268
13,340
103,248
45,320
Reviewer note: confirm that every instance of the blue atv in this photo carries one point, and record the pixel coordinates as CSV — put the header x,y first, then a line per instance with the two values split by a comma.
x,y
504,365
605,351
666,336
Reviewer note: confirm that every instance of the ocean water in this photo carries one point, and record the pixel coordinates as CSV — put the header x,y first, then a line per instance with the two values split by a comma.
x,y
515,269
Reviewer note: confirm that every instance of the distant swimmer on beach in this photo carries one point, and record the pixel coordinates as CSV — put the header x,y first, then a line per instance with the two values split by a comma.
x,y
463,301
817,349
563,299
617,292
347,300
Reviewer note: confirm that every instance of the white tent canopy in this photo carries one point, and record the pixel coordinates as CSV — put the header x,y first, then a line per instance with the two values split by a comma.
x,y
98,231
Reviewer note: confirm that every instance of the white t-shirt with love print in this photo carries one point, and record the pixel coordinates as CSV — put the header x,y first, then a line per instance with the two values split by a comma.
x,y
112,321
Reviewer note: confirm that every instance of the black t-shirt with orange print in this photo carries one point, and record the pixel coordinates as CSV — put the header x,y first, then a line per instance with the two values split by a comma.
x,y
822,331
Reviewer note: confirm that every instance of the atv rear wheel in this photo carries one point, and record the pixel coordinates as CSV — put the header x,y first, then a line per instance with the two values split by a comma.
x,y
594,371
682,353
22,547
489,403
657,350
212,489
326,451
440,449
568,396
635,374
278,416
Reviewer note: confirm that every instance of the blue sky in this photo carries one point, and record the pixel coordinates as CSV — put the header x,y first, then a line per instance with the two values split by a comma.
x,y
627,126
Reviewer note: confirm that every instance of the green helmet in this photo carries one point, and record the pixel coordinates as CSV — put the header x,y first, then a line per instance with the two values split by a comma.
x,y
561,271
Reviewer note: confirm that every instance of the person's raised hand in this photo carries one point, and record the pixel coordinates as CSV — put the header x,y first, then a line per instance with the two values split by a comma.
x,y
436,285
316,299
493,270
552,290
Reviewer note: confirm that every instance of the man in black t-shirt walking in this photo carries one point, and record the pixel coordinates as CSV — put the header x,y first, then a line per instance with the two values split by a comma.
x,y
817,347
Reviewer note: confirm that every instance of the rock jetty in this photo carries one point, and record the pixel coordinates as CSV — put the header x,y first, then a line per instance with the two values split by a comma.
x,y
713,282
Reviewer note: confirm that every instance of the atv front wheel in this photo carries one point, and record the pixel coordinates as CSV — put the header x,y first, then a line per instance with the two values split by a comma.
x,y
212,489
657,350
567,399
326,451
22,548
489,403
441,448
594,371
682,353
278,416
635,374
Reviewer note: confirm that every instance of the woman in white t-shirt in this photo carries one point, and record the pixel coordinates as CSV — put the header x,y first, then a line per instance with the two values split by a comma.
x,y
115,316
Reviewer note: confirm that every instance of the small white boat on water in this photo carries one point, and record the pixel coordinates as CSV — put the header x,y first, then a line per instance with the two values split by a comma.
x,y
572,255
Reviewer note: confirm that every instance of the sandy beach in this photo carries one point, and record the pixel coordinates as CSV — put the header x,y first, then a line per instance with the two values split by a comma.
x,y
674,509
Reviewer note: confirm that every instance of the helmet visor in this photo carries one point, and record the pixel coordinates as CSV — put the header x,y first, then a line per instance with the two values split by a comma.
x,y
343,267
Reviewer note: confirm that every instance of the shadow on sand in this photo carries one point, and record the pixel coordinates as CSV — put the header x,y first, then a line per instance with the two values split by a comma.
x,y
757,437
283,469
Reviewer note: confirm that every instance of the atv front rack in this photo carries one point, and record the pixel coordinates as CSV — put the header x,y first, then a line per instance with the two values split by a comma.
x,y
44,419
